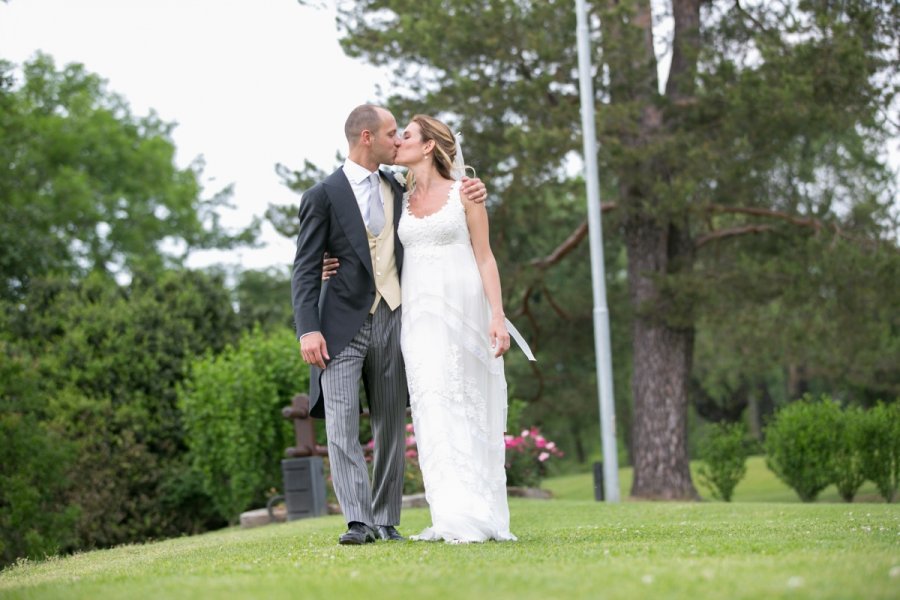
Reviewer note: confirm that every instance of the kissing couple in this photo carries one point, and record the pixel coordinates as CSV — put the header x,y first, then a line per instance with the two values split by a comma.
x,y
410,305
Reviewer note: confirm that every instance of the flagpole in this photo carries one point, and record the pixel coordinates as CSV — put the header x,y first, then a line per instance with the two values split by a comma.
x,y
598,276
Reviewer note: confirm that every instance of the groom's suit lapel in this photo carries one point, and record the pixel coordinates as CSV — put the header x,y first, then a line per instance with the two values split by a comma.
x,y
397,193
347,211
397,190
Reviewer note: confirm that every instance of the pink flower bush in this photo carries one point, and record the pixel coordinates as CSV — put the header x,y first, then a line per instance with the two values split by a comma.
x,y
526,457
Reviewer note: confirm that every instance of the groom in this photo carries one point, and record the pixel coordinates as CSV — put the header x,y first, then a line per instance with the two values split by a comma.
x,y
349,327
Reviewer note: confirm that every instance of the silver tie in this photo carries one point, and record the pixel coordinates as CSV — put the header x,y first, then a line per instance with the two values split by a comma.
x,y
376,210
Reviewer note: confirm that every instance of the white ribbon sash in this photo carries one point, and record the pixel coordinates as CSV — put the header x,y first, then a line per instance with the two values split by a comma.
x,y
520,340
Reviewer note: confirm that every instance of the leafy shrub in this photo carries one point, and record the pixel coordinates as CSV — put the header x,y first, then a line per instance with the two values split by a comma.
x,y
848,455
526,457
800,444
231,407
724,456
879,439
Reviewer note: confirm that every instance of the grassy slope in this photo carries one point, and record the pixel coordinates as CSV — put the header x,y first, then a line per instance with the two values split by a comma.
x,y
567,548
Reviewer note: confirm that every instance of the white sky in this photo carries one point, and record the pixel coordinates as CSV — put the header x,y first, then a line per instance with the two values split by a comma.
x,y
249,84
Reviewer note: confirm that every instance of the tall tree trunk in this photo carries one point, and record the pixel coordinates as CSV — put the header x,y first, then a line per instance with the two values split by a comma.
x,y
797,383
656,247
662,367
685,49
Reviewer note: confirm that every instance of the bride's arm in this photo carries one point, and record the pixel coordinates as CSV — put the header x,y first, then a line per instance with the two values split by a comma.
x,y
477,221
473,189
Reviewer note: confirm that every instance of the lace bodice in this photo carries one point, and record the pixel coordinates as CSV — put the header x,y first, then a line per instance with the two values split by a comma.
x,y
441,228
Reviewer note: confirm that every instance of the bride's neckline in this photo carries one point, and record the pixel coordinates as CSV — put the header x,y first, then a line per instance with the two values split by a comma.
x,y
442,207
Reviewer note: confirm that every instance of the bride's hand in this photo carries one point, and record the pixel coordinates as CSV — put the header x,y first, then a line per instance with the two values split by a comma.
x,y
499,336
329,267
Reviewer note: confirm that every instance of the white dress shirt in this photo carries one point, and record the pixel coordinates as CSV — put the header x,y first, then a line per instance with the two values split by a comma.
x,y
357,175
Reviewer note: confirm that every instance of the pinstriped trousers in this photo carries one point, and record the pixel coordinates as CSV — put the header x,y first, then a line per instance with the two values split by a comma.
x,y
373,355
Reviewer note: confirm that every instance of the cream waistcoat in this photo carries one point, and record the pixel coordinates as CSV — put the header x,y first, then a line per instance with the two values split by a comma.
x,y
384,265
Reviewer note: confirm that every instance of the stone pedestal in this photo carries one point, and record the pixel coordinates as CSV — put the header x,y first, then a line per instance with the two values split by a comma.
x,y
304,487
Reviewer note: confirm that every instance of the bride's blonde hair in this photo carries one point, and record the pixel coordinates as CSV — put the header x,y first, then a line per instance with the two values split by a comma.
x,y
444,145
444,142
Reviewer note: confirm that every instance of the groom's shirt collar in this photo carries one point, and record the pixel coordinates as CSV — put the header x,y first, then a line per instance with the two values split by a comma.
x,y
355,172
357,175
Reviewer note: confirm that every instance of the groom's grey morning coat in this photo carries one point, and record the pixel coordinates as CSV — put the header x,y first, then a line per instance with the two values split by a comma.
x,y
330,221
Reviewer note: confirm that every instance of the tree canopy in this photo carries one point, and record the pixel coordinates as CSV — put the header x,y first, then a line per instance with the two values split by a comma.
x,y
87,185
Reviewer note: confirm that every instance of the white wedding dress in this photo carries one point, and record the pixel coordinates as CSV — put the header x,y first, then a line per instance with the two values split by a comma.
x,y
457,387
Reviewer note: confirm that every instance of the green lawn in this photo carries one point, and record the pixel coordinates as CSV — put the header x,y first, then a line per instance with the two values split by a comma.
x,y
568,548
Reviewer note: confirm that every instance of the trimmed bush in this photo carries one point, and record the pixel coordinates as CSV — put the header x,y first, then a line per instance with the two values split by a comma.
x,y
724,457
879,440
800,444
848,456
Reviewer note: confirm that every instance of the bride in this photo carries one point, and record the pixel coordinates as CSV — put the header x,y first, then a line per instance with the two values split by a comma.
x,y
453,336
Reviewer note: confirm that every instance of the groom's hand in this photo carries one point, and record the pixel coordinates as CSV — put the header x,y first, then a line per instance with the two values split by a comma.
x,y
314,350
474,189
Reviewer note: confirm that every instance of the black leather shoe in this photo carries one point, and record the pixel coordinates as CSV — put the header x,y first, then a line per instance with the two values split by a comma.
x,y
389,533
357,534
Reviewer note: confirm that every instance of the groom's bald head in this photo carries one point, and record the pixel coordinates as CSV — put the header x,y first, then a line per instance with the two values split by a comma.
x,y
372,136
364,117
